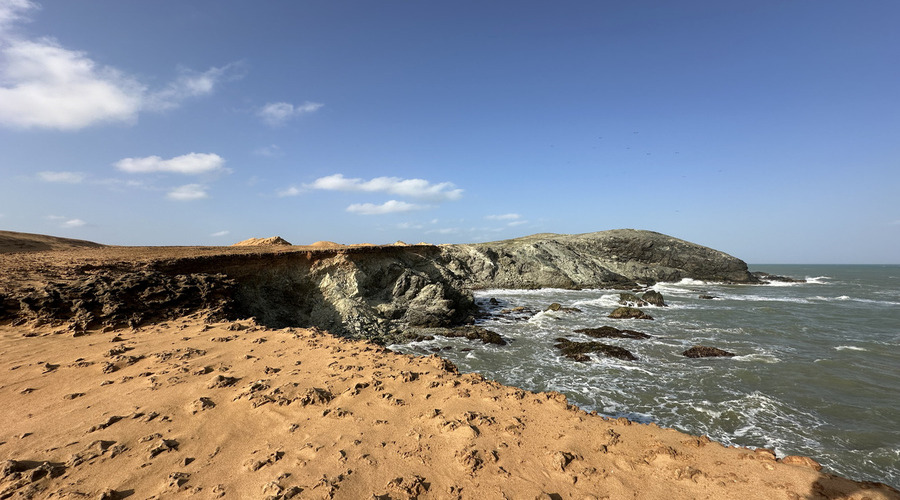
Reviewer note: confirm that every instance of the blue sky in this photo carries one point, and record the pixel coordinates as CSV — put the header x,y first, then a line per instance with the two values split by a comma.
x,y
767,129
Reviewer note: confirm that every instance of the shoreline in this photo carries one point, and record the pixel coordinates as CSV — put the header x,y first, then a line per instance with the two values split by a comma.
x,y
234,410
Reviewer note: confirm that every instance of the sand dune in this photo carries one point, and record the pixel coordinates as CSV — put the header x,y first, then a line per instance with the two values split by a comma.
x,y
11,241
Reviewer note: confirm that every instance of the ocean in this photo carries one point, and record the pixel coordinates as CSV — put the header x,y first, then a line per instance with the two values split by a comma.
x,y
816,371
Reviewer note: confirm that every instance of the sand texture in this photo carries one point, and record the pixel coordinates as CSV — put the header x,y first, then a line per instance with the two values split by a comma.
x,y
234,410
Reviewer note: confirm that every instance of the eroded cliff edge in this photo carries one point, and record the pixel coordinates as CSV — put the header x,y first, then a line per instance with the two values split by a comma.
x,y
376,293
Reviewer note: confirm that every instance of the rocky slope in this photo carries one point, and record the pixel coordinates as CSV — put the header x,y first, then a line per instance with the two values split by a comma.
x,y
616,258
379,293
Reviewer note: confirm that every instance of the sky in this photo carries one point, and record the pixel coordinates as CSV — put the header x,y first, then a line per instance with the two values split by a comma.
x,y
769,130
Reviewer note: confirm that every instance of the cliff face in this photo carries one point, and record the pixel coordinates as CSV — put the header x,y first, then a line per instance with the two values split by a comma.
x,y
366,292
362,292
620,257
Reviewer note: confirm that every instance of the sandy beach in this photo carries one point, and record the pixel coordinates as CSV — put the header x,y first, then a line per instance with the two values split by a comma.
x,y
234,410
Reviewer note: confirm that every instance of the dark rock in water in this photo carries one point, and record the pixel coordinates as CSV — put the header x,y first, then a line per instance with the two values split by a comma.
x,y
609,332
579,350
469,332
768,278
700,351
494,302
654,297
631,300
706,297
557,307
629,313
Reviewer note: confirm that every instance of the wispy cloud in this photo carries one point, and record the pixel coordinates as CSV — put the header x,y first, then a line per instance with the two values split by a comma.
x,y
411,188
188,192
503,217
46,85
189,164
446,230
219,234
389,207
289,191
271,151
517,223
65,177
278,113
71,223
190,84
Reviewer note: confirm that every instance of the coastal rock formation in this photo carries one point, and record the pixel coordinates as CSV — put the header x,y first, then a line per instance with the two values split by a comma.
x,y
701,351
373,292
616,258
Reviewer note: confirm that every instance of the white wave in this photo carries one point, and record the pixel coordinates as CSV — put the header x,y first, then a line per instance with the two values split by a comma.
x,y
782,283
763,358
850,348
605,300
818,280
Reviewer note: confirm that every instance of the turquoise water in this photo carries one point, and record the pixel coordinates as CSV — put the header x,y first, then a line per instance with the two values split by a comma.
x,y
817,370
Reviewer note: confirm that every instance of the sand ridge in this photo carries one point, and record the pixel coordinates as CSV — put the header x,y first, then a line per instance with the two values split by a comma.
x,y
188,408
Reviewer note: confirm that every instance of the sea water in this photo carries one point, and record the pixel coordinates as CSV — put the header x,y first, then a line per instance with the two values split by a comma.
x,y
816,371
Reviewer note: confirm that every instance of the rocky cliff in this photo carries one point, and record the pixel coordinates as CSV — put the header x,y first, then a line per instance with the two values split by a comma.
x,y
616,258
377,293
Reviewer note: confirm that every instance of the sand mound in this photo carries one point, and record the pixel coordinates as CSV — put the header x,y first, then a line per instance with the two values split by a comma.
x,y
399,243
11,242
252,242
326,244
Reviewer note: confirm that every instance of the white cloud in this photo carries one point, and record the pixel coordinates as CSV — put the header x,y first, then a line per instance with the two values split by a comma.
x,y
290,191
389,207
218,234
517,223
11,10
46,85
278,113
502,217
188,192
189,164
73,223
411,188
67,177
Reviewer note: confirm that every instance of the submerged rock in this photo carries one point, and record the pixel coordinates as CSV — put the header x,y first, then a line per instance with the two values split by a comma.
x,y
629,313
610,332
557,307
631,300
700,351
470,332
579,350
655,298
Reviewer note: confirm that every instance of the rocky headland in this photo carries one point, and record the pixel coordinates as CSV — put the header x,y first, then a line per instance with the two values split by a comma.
x,y
381,293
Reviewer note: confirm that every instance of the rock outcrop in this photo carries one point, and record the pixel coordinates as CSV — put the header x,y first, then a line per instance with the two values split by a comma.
x,y
616,258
